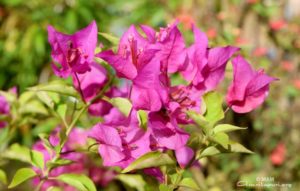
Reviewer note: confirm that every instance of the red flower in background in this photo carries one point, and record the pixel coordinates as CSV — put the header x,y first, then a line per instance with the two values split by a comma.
x,y
277,24
277,156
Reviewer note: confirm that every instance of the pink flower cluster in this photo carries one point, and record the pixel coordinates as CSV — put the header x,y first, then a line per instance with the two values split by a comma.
x,y
147,61
4,110
81,163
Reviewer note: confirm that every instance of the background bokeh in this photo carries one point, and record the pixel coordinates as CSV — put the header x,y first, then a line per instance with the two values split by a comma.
x,y
267,31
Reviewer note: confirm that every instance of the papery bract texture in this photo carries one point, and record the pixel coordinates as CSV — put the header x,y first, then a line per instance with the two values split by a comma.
x,y
73,53
249,88
121,140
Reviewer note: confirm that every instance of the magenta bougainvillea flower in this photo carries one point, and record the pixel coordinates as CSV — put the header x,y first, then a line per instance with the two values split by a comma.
x,y
182,99
172,52
206,66
74,53
249,88
135,60
101,107
4,109
166,134
91,82
121,140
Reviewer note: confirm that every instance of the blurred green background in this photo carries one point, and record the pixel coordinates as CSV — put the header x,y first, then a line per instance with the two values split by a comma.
x,y
267,30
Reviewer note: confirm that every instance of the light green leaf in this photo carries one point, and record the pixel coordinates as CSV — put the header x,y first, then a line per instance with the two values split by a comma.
x,y
133,180
3,177
24,154
151,159
58,162
111,38
56,87
25,97
122,104
200,121
46,98
54,188
226,128
62,110
143,119
189,183
22,175
222,139
214,110
164,187
18,152
33,106
209,151
37,159
79,181
238,148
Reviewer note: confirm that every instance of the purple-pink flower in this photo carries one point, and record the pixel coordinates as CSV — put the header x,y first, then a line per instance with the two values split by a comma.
x,y
4,109
91,82
206,66
120,139
249,88
81,163
73,53
135,60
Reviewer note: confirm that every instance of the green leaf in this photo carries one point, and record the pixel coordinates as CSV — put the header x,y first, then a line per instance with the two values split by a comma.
x,y
133,180
45,140
111,38
79,181
209,151
3,177
22,175
143,119
62,110
164,187
122,104
226,128
37,159
56,87
151,159
189,183
46,98
214,110
33,106
24,154
200,121
222,139
18,152
238,148
58,162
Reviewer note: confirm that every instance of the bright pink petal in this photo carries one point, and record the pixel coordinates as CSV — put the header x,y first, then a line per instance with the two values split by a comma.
x,y
184,155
